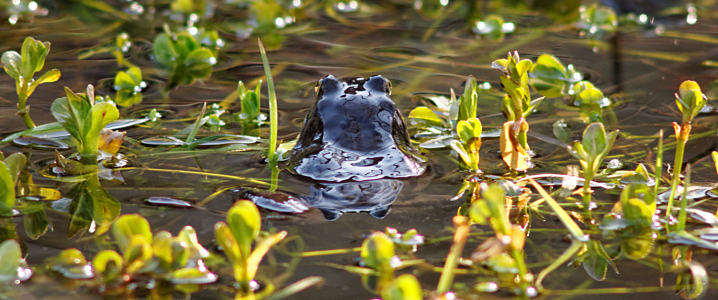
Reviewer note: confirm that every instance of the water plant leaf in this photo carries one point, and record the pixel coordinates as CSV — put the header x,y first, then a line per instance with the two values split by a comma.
x,y
129,86
48,77
548,66
404,287
137,253
262,248
690,100
7,190
163,50
512,153
245,222
12,63
128,226
425,117
36,223
693,283
377,252
11,256
107,260
595,261
638,246
468,101
15,163
189,236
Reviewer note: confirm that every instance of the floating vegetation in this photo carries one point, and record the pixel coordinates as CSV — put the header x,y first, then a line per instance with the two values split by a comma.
x,y
77,196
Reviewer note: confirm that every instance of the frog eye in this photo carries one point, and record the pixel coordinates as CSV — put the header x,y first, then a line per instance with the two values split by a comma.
x,y
388,88
318,85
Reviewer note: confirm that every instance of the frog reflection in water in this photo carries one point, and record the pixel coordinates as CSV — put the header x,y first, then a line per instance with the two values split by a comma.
x,y
354,139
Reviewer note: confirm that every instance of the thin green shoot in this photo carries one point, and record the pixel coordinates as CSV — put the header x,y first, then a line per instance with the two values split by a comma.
x,y
677,164
572,227
659,162
559,261
682,215
197,125
273,114
296,287
461,224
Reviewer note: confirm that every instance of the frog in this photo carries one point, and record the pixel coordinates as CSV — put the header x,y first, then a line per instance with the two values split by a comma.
x,y
354,146
354,132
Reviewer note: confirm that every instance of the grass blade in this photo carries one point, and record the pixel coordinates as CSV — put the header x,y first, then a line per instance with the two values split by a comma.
x,y
273,115
562,215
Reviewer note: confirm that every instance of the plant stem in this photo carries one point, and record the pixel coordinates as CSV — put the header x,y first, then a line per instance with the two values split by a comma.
x,y
677,164
518,257
659,162
22,108
587,176
684,201
461,224
273,115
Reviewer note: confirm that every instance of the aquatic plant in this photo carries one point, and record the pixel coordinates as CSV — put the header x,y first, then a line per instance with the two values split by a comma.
x,y
177,259
468,148
250,115
491,210
404,287
596,21
551,78
84,119
690,100
129,87
493,27
14,268
236,238
10,168
183,57
273,114
118,48
590,152
516,106
22,67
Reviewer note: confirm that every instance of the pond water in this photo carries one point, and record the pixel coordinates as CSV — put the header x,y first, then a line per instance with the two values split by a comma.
x,y
424,49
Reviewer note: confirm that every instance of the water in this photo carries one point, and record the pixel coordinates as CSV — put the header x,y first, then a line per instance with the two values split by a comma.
x,y
638,68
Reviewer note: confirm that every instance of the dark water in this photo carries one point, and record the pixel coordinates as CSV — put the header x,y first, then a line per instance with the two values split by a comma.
x,y
638,68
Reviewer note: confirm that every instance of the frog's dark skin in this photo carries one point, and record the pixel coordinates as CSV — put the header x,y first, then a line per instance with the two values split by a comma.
x,y
353,133
353,141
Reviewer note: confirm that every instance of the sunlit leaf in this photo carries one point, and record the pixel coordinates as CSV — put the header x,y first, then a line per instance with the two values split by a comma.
x,y
11,257
245,221
104,258
128,226
425,117
377,251
404,287
7,190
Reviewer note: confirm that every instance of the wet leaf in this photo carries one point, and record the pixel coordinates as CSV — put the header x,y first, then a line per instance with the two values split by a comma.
x,y
377,252
11,256
7,190
245,222
107,260
137,253
404,287
693,283
549,67
468,101
36,224
425,117
128,226
189,236
595,261
110,141
12,63
192,276
637,247
561,131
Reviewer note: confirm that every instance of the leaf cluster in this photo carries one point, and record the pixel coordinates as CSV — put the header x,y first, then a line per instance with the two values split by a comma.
x,y
551,78
84,119
468,147
249,100
162,256
690,100
236,238
183,57
129,85
593,148
596,21
10,168
517,104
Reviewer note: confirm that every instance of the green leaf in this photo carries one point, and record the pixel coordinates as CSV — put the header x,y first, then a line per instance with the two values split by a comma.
x,y
548,87
128,226
245,222
496,203
479,212
30,59
561,131
404,287
11,257
225,238
164,50
468,101
688,86
162,248
377,251
425,117
137,253
590,96
104,258
12,62
594,140
15,163
469,129
189,236
50,76
548,67
638,247
639,191
694,283
7,190
199,63
36,224
522,67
